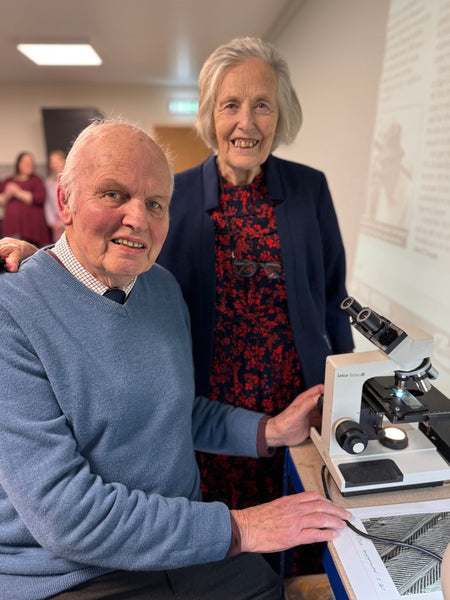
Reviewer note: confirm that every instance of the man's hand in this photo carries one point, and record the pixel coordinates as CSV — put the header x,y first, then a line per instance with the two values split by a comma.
x,y
292,426
13,252
289,521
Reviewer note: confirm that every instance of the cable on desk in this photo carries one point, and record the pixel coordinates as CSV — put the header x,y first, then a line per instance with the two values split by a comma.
x,y
375,537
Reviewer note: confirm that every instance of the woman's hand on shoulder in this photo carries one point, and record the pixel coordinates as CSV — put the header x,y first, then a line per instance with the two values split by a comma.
x,y
13,252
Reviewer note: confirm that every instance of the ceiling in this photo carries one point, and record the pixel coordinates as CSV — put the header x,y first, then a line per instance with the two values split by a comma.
x,y
140,41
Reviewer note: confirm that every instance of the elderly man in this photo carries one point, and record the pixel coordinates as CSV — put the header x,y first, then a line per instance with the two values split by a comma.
x,y
99,489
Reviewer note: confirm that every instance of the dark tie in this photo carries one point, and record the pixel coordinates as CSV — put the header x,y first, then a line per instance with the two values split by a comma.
x,y
116,295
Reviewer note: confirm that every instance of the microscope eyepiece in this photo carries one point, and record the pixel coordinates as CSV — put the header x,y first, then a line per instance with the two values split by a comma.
x,y
384,334
351,307
369,320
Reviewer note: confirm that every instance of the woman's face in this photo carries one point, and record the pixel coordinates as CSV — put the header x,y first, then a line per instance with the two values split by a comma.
x,y
245,118
26,165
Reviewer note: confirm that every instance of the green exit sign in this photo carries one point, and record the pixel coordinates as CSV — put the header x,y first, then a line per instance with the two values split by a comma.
x,y
183,107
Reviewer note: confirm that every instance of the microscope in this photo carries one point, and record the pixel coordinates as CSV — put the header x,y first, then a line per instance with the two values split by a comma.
x,y
379,408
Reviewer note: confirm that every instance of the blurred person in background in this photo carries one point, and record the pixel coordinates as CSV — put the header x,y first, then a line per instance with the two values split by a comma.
x,y
23,196
56,162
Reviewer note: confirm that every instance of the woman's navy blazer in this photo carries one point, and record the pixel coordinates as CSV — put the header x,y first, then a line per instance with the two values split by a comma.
x,y
312,253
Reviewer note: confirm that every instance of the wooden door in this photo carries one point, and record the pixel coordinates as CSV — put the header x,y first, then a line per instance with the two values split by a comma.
x,y
186,148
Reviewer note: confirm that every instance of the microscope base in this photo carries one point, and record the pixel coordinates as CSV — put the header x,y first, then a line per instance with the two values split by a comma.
x,y
379,469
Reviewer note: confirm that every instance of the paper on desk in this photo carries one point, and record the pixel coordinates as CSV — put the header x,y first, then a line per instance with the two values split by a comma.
x,y
361,561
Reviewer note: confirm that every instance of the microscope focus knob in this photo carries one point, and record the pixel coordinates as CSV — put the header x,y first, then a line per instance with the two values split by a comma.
x,y
351,437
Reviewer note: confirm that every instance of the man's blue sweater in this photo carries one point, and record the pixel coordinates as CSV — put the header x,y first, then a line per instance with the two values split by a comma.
x,y
98,428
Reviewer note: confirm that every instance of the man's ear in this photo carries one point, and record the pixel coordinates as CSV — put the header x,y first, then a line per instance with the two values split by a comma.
x,y
64,210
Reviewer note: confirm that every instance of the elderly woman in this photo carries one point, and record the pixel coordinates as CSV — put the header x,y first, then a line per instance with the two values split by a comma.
x,y
255,244
22,196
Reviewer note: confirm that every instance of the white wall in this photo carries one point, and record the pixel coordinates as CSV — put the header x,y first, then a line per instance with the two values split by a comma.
x,y
335,49
373,79
20,110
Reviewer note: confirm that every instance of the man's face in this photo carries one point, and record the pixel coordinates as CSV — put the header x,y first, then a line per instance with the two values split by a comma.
x,y
118,215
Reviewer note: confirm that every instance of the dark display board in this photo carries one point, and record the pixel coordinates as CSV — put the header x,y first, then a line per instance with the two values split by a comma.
x,y
62,125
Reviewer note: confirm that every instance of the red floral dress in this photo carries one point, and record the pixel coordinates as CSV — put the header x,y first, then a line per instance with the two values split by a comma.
x,y
255,364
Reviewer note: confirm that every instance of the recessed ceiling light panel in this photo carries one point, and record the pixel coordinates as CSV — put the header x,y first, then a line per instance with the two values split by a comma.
x,y
49,54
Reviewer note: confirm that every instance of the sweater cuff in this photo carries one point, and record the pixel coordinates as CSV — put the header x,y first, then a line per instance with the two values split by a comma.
x,y
235,544
261,446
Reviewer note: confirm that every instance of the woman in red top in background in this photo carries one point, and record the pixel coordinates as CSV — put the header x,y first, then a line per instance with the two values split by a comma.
x,y
23,196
